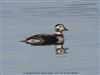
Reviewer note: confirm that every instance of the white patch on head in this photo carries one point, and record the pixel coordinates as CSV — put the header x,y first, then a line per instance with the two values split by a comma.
x,y
33,41
60,27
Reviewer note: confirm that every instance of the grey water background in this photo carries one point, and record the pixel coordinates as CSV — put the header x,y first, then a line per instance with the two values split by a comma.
x,y
22,19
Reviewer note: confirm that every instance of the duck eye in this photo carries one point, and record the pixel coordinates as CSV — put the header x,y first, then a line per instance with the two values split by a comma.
x,y
60,26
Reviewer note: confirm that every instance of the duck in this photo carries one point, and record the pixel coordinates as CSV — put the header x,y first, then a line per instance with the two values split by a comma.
x,y
57,39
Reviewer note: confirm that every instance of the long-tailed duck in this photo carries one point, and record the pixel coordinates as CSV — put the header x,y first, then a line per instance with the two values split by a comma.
x,y
56,39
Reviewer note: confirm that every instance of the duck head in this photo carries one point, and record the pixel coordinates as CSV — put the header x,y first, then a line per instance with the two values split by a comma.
x,y
59,28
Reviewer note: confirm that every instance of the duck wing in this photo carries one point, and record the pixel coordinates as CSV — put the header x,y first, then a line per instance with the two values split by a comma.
x,y
42,39
49,39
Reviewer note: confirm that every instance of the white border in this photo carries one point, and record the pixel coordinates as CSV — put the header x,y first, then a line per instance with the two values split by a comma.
x,y
1,1
1,35
35,1
99,34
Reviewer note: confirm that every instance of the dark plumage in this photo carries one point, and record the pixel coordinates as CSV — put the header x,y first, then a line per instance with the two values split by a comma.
x,y
44,39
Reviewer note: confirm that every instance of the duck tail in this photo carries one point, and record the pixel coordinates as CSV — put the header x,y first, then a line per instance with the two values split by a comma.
x,y
23,41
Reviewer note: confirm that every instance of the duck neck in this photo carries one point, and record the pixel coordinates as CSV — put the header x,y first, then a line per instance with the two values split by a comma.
x,y
59,33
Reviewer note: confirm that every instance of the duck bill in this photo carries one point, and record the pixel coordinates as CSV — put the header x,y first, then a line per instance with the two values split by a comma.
x,y
66,29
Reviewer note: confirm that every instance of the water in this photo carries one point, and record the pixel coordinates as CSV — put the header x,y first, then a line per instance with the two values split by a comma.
x,y
22,19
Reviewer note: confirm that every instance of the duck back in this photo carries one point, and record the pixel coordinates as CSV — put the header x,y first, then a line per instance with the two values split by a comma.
x,y
43,39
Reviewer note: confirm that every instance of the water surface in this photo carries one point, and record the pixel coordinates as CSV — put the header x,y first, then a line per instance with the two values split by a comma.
x,y
23,19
